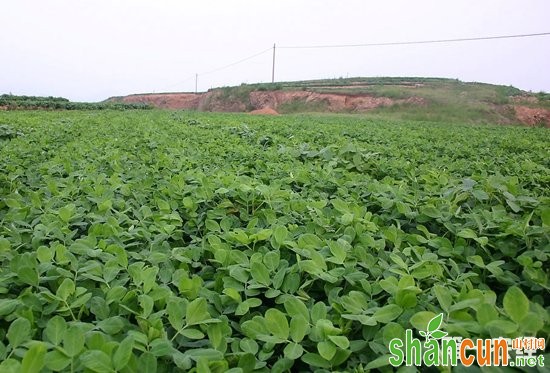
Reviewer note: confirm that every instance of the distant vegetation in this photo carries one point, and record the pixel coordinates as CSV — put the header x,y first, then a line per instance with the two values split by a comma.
x,y
13,102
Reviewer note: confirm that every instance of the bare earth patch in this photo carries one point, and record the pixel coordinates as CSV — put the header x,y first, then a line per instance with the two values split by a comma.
x,y
167,100
264,111
533,116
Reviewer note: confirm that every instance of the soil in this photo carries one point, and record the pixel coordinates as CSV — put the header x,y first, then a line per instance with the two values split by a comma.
x,y
533,117
167,100
264,111
334,102
214,101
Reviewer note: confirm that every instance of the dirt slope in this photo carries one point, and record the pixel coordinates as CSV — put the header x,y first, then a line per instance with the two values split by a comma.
x,y
258,100
532,117
167,100
406,98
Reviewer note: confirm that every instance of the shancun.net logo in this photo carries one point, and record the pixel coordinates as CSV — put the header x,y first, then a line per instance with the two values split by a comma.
x,y
439,349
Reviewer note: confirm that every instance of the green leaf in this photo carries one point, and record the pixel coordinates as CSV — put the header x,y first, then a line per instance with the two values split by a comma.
x,y
97,361
192,333
486,313
339,250
123,353
389,285
326,349
33,361
387,313
66,212
480,195
293,351
161,347
28,275
280,234
513,205
282,365
247,362
112,325
73,341
212,225
298,328
45,254
501,328
233,294
379,362
240,236
208,353
276,323
242,309
477,260
467,233
315,360
406,298
325,327
309,240
340,206
10,366
176,313
467,303
435,323
431,211
340,341
318,312
532,323
254,327
147,363
260,273
19,332
196,312
216,335
5,245
149,276
249,345
105,205
66,289
262,235
516,304
443,296
296,308
7,306
56,360
55,329
392,330
271,260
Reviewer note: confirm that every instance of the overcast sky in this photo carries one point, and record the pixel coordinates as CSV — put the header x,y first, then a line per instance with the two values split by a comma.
x,y
89,50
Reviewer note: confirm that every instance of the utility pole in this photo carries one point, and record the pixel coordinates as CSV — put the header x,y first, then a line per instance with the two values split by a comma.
x,y
196,80
273,66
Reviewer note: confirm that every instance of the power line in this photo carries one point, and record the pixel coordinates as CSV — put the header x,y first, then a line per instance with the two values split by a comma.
x,y
414,42
197,75
236,62
181,82
435,41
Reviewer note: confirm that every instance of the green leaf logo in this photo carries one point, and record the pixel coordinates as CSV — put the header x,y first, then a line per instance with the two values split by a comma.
x,y
433,328
435,323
